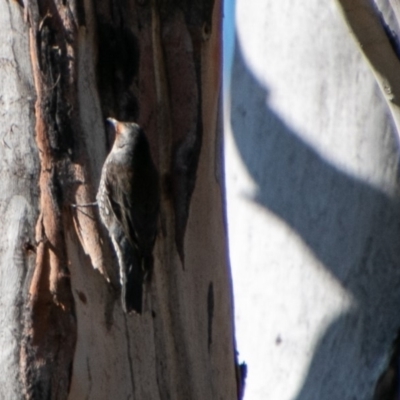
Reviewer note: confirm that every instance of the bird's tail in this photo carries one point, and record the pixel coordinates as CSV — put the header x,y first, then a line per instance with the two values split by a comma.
x,y
131,275
132,290
136,278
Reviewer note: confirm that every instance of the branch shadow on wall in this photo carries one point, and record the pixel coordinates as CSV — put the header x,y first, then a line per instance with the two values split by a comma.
x,y
353,228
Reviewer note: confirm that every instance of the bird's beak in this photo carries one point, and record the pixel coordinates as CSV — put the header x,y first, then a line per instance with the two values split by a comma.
x,y
113,122
115,125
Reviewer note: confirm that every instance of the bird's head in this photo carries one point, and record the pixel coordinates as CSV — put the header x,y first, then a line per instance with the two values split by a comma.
x,y
126,133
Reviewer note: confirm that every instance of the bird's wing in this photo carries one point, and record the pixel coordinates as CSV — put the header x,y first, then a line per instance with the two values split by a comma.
x,y
135,203
118,184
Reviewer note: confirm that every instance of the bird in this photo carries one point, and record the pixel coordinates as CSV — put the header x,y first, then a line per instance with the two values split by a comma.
x,y
128,198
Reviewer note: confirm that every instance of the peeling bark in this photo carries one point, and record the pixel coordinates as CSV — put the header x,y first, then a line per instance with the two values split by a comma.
x,y
375,42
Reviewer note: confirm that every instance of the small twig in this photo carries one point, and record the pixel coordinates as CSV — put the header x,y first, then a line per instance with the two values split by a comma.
x,y
87,205
84,205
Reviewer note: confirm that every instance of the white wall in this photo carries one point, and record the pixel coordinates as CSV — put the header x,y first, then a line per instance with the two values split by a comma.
x,y
313,206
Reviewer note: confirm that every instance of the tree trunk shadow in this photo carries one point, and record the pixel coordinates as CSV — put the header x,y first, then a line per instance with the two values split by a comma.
x,y
351,227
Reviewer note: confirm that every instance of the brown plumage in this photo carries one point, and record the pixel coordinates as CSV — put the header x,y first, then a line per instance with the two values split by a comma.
x,y
128,200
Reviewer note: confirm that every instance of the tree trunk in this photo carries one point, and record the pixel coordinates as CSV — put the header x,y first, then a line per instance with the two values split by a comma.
x,y
64,68
313,198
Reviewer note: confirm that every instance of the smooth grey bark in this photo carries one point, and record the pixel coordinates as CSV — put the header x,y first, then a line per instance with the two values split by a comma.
x,y
19,166
313,205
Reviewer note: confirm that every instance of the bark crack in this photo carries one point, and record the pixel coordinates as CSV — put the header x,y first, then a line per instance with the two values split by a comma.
x,y
89,378
128,345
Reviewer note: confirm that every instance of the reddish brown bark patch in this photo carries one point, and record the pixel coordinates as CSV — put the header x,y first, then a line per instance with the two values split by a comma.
x,y
49,335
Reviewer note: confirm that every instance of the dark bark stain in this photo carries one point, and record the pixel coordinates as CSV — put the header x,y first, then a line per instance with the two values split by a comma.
x,y
54,65
80,10
185,162
117,68
82,296
197,15
187,129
